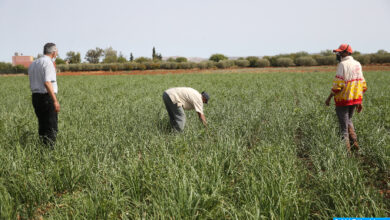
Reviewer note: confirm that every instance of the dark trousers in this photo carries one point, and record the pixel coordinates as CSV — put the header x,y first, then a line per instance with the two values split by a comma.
x,y
47,117
344,114
176,113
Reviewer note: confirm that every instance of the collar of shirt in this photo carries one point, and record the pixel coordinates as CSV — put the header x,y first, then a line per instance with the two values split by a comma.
x,y
46,57
346,58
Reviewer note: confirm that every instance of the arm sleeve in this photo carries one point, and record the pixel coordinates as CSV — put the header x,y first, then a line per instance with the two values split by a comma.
x,y
50,72
338,82
363,81
198,105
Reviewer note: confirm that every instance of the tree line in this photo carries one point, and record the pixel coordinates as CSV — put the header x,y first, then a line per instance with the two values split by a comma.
x,y
99,55
221,61
108,59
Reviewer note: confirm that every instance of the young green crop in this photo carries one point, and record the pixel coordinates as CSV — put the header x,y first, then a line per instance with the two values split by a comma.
x,y
271,150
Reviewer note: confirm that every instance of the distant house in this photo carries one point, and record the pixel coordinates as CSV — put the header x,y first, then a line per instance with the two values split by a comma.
x,y
22,60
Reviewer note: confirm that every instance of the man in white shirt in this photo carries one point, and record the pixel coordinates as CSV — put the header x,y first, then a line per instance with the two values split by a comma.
x,y
177,99
348,88
43,84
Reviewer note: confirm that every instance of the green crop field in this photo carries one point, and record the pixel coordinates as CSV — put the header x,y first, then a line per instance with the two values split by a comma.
x,y
271,150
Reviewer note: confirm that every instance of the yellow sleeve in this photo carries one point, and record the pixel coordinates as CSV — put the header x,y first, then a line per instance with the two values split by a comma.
x,y
338,84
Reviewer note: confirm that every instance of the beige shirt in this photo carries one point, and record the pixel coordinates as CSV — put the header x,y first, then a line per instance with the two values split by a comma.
x,y
349,69
186,97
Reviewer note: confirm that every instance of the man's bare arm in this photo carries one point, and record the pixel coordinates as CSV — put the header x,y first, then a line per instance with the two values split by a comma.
x,y
202,118
50,90
327,102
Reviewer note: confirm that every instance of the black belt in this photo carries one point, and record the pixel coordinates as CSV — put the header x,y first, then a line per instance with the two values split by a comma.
x,y
40,94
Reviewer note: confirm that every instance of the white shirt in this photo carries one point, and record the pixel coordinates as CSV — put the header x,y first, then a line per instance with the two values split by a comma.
x,y
186,97
349,69
40,71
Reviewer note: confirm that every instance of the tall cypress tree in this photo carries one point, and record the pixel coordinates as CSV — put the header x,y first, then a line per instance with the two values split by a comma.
x,y
131,57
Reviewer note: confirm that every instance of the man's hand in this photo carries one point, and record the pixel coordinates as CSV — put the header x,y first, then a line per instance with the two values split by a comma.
x,y
49,88
56,106
327,102
359,108
203,119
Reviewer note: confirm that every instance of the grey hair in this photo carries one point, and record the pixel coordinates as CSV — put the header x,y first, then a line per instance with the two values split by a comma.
x,y
49,48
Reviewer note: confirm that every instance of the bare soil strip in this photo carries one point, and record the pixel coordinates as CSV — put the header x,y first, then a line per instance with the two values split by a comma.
x,y
231,70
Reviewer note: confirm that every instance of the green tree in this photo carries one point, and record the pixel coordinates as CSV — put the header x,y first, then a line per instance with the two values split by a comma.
x,y
284,62
241,63
181,59
20,69
159,57
73,57
217,57
93,55
299,54
5,67
156,56
264,62
131,57
60,61
121,58
253,61
326,60
110,55
381,52
363,59
305,61
326,52
142,59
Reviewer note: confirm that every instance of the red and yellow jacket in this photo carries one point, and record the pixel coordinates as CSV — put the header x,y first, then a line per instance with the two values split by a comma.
x,y
349,83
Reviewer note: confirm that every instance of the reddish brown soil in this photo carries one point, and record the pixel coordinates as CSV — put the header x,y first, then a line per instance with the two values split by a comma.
x,y
134,72
232,70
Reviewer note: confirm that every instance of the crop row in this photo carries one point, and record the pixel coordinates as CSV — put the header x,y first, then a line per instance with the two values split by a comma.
x,y
271,150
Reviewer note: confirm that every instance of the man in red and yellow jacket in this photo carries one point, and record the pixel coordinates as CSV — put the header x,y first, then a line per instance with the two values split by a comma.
x,y
348,88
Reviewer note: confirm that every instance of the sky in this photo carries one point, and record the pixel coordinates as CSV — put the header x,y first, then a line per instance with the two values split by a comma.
x,y
193,28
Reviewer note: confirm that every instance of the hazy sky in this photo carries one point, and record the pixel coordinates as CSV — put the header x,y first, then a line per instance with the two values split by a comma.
x,y
193,28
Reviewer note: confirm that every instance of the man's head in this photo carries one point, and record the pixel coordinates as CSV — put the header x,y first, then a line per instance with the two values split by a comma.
x,y
50,49
343,51
205,97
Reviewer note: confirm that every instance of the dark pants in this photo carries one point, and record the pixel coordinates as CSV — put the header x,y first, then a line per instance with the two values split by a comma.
x,y
176,113
344,114
47,117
